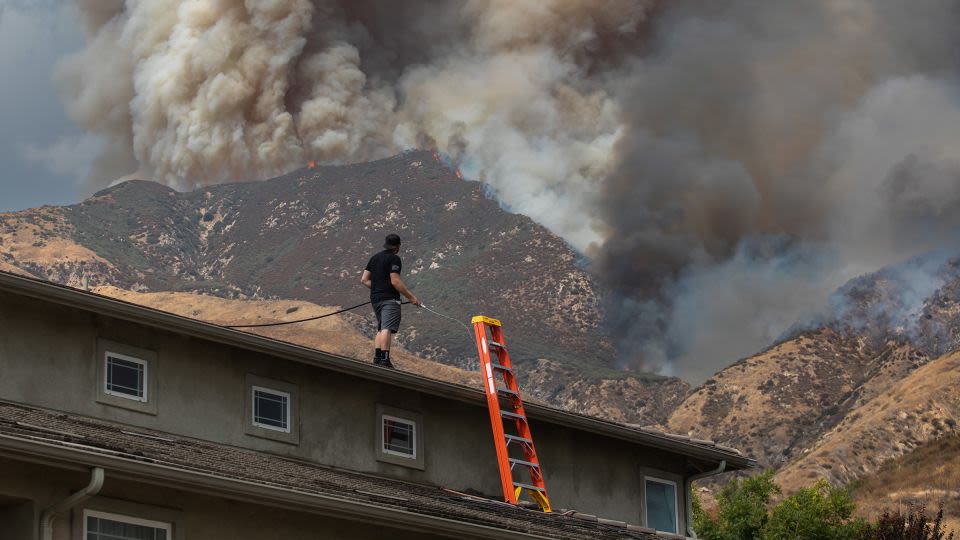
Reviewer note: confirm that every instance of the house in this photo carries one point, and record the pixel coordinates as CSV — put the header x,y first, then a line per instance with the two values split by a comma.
x,y
121,421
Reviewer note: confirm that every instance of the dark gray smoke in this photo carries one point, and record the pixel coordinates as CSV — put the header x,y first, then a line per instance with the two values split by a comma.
x,y
773,151
724,164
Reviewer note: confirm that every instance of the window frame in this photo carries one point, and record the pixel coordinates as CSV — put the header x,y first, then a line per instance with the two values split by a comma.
x,y
383,443
105,347
676,501
107,354
253,407
415,418
262,431
129,520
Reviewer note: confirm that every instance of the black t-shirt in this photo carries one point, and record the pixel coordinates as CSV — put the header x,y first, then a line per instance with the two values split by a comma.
x,y
381,266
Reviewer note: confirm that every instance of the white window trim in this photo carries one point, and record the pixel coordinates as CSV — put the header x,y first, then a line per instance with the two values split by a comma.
x,y
253,407
413,441
146,375
168,527
676,501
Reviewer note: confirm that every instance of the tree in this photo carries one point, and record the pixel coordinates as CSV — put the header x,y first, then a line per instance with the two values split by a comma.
x,y
741,509
819,512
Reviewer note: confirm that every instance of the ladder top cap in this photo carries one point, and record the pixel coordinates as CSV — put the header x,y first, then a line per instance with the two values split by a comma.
x,y
485,319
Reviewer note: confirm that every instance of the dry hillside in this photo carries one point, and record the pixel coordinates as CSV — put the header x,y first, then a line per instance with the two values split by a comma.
x,y
790,405
919,408
928,476
781,399
331,334
39,242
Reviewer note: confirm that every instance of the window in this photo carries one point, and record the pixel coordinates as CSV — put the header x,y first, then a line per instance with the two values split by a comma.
x,y
125,376
399,437
103,526
661,505
271,409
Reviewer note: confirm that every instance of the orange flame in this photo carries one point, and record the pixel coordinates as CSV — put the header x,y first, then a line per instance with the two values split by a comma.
x,y
459,175
436,156
311,164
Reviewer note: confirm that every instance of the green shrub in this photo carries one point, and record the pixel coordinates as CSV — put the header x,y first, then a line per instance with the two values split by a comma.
x,y
741,509
819,512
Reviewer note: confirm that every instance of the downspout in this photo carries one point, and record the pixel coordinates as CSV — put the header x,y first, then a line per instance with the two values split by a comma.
x,y
48,515
688,485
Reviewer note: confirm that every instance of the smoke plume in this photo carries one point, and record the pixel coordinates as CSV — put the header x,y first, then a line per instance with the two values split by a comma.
x,y
724,165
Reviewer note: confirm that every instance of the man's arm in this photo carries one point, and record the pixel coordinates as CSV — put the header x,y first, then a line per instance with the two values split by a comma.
x,y
365,279
402,289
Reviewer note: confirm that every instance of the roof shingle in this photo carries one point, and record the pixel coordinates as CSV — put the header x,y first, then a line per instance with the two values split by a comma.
x,y
43,426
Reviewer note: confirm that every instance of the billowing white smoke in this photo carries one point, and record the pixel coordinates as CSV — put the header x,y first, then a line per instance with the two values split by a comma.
x,y
719,161
213,91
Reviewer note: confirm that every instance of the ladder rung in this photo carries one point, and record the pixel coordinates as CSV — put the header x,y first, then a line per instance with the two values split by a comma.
x,y
528,486
511,438
506,392
530,464
496,344
501,367
515,416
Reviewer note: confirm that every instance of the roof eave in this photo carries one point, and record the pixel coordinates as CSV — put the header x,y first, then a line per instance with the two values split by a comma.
x,y
236,489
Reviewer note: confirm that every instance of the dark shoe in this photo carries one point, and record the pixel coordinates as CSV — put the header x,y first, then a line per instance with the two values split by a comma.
x,y
383,362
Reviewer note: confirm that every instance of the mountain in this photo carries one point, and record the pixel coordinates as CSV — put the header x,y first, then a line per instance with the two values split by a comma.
x,y
307,235
915,410
843,397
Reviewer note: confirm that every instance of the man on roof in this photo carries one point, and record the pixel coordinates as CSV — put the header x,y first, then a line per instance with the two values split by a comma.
x,y
382,277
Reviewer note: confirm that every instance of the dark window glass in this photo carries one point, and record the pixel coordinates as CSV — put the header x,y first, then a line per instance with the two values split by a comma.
x,y
125,377
105,529
270,409
661,506
398,437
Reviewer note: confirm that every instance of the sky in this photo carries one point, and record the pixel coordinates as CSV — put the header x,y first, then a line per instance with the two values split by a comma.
x,y
44,157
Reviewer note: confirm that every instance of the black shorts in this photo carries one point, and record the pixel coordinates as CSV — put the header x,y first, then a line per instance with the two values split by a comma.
x,y
388,315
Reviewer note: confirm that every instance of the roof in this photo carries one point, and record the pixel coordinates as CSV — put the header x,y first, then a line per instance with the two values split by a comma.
x,y
200,466
64,295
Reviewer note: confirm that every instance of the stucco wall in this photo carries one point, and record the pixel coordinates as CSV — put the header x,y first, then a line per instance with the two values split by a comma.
x,y
47,358
17,520
193,516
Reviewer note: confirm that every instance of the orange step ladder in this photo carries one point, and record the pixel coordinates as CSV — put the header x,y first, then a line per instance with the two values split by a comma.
x,y
494,360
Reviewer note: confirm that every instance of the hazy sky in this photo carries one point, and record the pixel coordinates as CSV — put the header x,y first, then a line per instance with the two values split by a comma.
x,y
43,156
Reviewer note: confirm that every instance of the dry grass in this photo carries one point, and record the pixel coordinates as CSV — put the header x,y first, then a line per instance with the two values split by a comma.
x,y
331,334
768,403
39,241
922,407
929,475
7,267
